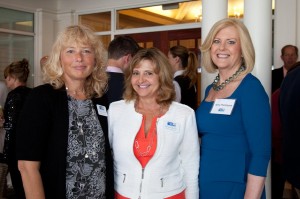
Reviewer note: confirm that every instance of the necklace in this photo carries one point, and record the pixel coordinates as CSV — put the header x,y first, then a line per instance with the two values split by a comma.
x,y
227,81
150,139
75,92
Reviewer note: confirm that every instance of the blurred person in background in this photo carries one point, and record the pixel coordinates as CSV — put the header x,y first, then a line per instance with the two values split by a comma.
x,y
120,52
289,109
289,56
16,75
184,64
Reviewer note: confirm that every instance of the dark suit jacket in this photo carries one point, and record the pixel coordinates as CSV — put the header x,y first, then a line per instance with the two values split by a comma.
x,y
115,87
290,118
277,77
188,94
42,135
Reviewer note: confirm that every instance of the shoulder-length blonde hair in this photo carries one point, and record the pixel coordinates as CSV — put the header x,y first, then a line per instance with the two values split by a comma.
x,y
166,93
96,83
248,53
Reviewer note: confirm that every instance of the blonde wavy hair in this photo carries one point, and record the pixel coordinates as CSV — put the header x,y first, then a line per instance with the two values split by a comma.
x,y
96,82
248,53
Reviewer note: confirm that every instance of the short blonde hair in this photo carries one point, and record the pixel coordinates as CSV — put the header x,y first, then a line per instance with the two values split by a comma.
x,y
166,93
248,53
96,83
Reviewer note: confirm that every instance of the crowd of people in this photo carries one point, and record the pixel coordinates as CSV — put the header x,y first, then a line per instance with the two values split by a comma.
x,y
124,122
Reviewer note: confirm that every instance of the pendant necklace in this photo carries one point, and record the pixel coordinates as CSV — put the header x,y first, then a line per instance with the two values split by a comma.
x,y
219,87
151,133
74,92
151,136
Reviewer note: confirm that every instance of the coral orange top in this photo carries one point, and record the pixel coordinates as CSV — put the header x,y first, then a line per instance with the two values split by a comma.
x,y
144,149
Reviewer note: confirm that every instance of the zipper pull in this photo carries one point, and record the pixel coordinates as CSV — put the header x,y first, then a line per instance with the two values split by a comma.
x,y
143,173
162,182
124,175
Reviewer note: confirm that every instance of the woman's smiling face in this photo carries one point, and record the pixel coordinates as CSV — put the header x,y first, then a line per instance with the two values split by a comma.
x,y
226,49
144,80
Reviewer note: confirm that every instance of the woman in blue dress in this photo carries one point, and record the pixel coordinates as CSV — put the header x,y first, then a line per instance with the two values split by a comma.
x,y
234,120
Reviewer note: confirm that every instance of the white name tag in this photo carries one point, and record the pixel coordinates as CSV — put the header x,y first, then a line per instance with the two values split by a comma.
x,y
223,106
101,110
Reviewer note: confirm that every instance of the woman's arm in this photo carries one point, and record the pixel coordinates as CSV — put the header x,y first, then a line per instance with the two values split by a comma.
x,y
256,116
31,177
254,188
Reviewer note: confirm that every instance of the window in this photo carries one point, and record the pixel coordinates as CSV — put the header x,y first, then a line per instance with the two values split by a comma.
x,y
16,39
97,21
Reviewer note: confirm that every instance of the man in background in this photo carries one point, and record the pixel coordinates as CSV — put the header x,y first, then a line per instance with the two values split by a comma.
x,y
289,56
120,52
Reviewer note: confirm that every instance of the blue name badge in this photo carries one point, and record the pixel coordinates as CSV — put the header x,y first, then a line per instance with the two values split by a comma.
x,y
171,126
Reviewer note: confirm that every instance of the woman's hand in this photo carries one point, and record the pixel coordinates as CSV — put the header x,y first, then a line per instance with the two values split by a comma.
x,y
255,186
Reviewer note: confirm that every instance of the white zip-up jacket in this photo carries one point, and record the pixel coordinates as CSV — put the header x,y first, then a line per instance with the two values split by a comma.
x,y
175,164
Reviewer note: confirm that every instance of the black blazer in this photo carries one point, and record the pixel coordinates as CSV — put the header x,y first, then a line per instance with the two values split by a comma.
x,y
290,117
42,135
115,87
188,94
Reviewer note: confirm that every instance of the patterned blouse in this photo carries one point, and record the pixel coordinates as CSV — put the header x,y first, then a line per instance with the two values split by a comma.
x,y
85,154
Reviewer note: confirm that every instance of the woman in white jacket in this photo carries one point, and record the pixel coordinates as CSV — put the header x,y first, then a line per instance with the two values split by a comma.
x,y
154,139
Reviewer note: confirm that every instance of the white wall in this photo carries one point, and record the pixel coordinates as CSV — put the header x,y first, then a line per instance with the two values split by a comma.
x,y
286,27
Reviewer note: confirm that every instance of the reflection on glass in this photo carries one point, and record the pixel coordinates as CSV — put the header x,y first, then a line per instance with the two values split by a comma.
x,y
97,21
16,20
167,14
105,40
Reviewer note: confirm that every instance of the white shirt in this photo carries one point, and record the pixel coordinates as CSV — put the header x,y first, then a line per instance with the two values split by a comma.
x,y
177,87
113,69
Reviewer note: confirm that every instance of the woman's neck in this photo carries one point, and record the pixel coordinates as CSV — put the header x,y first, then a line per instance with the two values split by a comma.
x,y
17,84
149,108
77,91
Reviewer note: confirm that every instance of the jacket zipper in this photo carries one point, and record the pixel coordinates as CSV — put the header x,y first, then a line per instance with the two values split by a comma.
x,y
141,185
143,170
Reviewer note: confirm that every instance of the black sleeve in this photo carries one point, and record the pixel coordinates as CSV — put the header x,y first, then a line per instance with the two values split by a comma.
x,y
33,126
